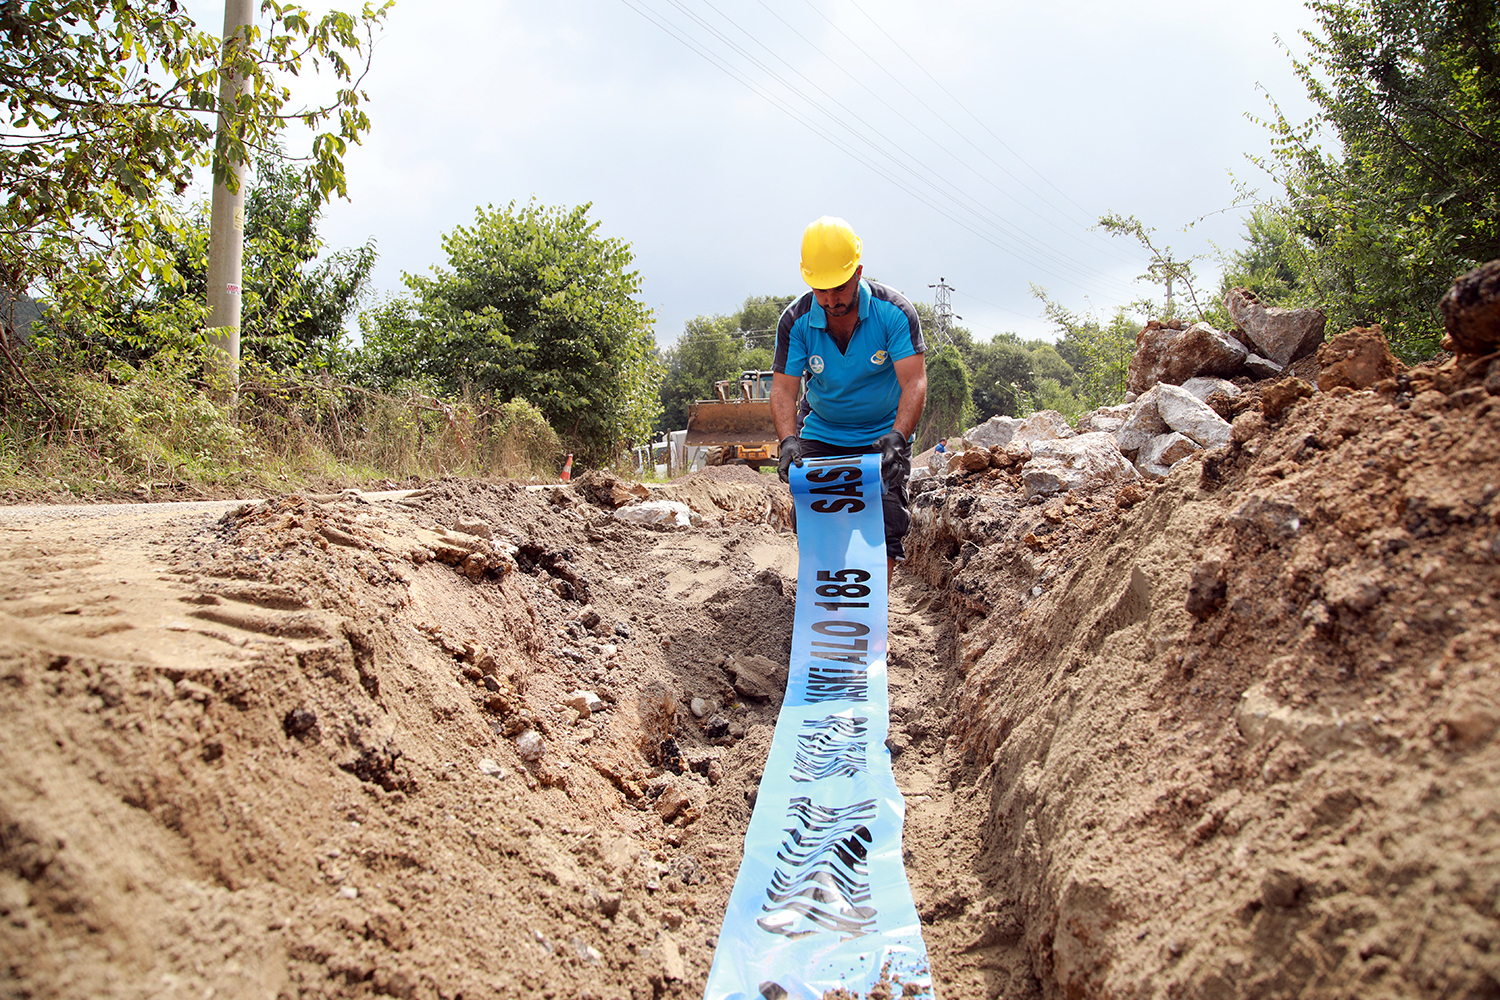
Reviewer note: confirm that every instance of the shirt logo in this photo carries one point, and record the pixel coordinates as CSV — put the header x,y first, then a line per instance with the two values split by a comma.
x,y
878,358
816,364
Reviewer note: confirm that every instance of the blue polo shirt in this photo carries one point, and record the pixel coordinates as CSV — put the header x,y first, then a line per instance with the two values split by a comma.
x,y
852,394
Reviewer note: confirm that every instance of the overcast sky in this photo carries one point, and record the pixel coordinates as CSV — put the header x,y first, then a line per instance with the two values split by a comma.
x,y
971,140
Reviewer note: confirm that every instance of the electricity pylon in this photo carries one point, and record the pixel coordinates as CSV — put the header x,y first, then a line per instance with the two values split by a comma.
x,y
944,312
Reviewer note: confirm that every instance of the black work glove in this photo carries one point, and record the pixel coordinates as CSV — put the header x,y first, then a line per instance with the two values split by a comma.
x,y
895,460
791,451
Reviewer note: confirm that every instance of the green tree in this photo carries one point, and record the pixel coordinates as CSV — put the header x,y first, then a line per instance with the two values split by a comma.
x,y
1411,199
109,102
1103,351
1053,395
757,319
1004,376
296,298
534,304
950,404
709,350
1049,364
757,323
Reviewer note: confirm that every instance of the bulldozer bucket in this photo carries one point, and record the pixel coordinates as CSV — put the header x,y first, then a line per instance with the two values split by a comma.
x,y
744,422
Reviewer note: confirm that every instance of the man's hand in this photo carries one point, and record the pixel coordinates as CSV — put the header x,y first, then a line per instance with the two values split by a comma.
x,y
895,459
791,451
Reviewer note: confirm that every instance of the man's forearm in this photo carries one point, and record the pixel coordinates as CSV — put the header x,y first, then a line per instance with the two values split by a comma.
x,y
784,391
909,410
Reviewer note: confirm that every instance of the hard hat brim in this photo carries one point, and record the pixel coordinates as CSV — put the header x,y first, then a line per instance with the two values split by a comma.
x,y
824,280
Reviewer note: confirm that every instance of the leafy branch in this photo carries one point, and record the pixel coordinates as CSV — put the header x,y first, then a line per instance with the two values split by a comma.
x,y
111,102
1165,269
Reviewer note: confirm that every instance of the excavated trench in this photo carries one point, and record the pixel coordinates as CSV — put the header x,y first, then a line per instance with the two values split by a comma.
x,y
1231,735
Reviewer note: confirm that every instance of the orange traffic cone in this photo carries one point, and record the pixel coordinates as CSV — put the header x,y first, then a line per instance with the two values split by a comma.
x,y
567,472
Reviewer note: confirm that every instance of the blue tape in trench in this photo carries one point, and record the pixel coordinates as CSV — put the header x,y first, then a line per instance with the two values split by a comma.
x,y
821,901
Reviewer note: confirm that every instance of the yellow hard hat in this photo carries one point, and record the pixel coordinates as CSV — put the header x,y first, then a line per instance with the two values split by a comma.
x,y
830,252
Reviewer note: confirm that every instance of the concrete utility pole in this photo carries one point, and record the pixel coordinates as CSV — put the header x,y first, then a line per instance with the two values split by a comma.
x,y
226,246
944,311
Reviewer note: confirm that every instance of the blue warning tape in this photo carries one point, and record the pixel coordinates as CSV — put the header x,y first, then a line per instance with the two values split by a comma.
x,y
821,901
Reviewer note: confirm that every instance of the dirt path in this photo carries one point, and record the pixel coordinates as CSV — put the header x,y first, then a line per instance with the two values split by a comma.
x,y
1230,736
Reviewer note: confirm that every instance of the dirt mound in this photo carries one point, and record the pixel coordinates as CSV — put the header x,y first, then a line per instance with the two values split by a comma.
x,y
1237,741
294,751
732,494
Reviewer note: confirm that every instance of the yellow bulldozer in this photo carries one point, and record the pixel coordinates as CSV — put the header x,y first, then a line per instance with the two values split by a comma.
x,y
737,426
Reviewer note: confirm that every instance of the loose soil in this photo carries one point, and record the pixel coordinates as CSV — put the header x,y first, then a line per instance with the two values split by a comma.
x,y
1232,735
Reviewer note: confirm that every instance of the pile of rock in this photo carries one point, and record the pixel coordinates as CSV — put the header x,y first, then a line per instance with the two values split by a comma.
x,y
1051,455
1168,352
1179,404
1144,438
1170,422
1262,344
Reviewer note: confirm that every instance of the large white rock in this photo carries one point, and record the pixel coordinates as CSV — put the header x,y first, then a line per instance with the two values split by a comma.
x,y
671,512
1106,418
1203,387
1142,423
1167,450
1092,422
1043,425
996,430
1085,460
1187,414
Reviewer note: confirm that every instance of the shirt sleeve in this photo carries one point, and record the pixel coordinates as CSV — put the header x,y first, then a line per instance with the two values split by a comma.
x,y
791,339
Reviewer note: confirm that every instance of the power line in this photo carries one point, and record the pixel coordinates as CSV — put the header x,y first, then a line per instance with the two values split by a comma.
x,y
676,31
884,148
1098,244
966,111
936,114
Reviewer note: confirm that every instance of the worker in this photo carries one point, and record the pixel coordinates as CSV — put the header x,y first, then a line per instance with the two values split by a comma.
x,y
859,346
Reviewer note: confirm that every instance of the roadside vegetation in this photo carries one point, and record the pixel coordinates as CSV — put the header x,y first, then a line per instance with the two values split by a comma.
x,y
151,429
530,345
1407,198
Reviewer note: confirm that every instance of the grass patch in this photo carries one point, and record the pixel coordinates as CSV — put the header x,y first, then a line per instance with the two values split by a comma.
x,y
158,428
